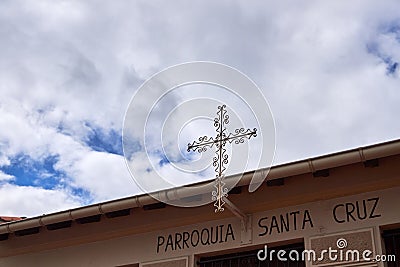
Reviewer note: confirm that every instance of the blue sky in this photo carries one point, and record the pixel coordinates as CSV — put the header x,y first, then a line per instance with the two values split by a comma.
x,y
329,70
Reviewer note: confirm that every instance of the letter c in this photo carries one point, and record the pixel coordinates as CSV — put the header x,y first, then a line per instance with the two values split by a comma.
x,y
334,213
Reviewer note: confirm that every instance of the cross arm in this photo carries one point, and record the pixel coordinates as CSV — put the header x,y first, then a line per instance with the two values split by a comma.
x,y
240,135
202,144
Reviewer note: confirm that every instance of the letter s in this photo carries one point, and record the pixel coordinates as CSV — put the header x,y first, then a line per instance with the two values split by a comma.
x,y
263,226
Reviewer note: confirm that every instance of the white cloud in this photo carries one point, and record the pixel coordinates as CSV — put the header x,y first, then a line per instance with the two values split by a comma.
x,y
5,177
105,175
32,201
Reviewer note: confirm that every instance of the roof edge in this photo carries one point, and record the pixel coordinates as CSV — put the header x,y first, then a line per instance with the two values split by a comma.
x,y
310,165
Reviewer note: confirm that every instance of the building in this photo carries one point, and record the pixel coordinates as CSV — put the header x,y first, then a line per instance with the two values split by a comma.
x,y
347,201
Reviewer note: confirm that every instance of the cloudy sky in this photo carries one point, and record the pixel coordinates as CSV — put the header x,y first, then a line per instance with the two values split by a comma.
x,y
329,70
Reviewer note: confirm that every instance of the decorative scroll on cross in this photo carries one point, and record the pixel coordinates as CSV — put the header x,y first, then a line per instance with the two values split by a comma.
x,y
221,158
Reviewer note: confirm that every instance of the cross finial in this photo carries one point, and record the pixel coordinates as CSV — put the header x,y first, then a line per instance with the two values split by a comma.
x,y
221,158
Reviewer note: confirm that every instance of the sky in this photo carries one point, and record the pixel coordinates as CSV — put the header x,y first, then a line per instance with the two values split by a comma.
x,y
329,70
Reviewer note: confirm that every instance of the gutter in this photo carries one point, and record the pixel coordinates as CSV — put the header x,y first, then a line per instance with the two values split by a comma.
x,y
312,165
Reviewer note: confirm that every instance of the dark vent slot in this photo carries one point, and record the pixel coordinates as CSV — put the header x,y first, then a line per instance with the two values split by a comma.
x,y
372,163
236,191
118,213
59,225
192,198
89,219
4,237
276,182
321,173
154,206
29,231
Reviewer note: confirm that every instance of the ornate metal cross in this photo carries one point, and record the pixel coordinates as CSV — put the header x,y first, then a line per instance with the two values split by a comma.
x,y
221,157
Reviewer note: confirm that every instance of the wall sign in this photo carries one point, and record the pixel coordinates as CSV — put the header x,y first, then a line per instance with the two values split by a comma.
x,y
198,237
282,224
289,221
356,211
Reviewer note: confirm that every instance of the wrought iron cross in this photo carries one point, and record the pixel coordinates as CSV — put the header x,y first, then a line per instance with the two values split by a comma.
x,y
221,158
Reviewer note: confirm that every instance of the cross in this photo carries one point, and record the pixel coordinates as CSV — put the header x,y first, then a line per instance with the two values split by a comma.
x,y
221,158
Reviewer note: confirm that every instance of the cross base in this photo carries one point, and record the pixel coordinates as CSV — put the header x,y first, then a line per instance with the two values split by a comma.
x,y
219,194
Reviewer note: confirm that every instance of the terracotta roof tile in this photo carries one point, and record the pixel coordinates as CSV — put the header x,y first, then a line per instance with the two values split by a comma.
x,y
5,219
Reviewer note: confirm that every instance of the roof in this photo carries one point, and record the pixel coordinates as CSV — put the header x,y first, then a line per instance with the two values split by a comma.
x,y
5,219
317,166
